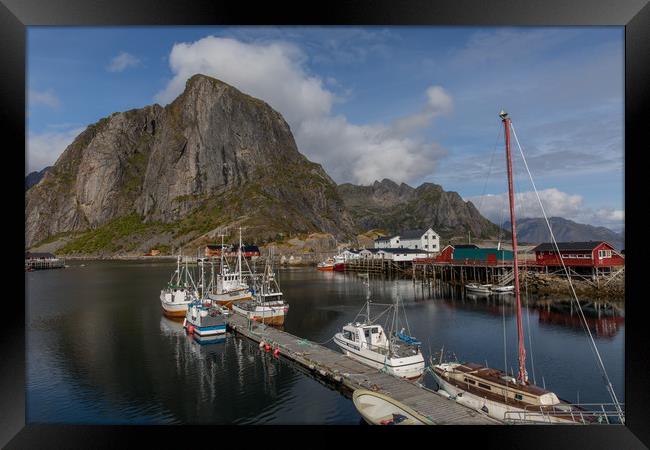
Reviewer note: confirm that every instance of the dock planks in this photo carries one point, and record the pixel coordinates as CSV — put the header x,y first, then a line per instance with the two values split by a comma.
x,y
340,369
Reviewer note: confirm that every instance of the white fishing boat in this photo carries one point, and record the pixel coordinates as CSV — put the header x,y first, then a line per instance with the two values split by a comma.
x,y
476,288
367,342
179,293
229,287
504,397
380,409
204,321
268,305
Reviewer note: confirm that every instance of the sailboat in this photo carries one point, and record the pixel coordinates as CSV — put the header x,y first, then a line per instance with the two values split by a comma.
x,y
493,391
397,353
179,292
267,305
229,286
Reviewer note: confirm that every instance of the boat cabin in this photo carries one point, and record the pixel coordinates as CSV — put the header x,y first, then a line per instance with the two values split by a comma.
x,y
370,336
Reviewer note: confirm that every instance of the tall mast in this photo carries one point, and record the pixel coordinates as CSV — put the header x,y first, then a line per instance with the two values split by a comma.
x,y
523,375
239,255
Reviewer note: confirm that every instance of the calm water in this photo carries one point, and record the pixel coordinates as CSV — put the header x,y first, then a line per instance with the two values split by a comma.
x,y
100,351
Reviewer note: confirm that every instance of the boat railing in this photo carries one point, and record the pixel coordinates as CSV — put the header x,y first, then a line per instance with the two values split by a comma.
x,y
580,413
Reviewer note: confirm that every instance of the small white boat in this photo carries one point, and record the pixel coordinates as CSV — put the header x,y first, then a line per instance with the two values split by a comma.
x,y
476,288
379,409
396,353
503,289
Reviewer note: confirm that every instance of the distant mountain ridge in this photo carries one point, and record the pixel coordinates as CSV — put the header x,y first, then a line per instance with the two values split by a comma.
x,y
395,207
34,177
535,231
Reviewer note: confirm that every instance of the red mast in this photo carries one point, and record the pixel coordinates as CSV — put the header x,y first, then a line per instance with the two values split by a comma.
x,y
523,375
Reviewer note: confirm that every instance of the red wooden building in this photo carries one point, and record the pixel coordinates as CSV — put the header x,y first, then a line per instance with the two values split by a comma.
x,y
591,254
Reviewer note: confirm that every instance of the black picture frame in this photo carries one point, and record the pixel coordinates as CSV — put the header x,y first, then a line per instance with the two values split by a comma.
x,y
634,15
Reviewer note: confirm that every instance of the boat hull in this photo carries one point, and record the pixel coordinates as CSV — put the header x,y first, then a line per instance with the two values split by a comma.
x,y
379,409
173,308
410,367
227,299
325,268
496,410
270,315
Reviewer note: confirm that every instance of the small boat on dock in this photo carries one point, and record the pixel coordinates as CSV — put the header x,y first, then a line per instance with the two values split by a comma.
x,y
476,288
380,409
179,293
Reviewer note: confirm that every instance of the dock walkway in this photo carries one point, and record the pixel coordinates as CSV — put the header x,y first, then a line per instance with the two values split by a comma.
x,y
342,370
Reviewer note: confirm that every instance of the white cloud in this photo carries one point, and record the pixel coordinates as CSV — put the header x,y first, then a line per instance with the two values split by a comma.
x,y
43,149
556,204
439,102
275,72
122,62
46,98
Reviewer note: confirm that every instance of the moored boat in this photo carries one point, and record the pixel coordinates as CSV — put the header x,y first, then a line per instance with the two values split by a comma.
x,y
476,288
326,265
179,292
380,409
268,305
229,287
504,397
204,321
367,342
502,289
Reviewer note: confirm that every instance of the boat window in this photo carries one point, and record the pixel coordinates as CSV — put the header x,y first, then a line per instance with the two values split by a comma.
x,y
375,330
467,380
518,397
347,335
484,386
366,332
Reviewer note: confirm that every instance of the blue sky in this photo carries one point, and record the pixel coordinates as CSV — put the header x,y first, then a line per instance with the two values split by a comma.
x,y
413,104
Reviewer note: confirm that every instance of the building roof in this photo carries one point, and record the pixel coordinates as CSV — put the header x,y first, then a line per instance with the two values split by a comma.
x,y
413,234
39,255
371,250
465,246
401,250
386,238
568,246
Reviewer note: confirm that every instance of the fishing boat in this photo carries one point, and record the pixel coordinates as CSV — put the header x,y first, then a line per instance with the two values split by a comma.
x,y
267,305
476,288
494,392
326,265
229,287
367,342
179,293
204,321
380,409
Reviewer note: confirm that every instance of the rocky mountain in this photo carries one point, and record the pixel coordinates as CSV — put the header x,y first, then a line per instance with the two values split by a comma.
x,y
165,176
34,177
392,207
535,230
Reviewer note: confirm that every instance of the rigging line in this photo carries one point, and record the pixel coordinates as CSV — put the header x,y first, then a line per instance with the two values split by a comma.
x,y
489,168
610,388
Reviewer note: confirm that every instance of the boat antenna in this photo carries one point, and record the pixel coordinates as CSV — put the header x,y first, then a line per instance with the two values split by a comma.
x,y
523,375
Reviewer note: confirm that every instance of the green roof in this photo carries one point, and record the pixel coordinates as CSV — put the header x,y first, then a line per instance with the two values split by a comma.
x,y
481,254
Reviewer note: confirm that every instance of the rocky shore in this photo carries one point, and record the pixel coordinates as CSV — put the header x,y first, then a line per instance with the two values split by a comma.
x,y
544,284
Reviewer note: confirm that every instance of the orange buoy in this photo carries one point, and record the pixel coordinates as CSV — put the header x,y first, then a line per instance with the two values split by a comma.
x,y
267,347
190,329
276,352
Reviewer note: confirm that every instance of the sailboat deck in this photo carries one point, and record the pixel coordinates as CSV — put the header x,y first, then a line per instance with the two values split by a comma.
x,y
350,374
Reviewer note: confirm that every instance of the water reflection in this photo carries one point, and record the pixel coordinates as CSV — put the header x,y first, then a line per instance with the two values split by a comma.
x,y
100,351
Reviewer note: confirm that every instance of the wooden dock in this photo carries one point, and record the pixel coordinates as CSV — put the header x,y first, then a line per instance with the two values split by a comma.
x,y
347,373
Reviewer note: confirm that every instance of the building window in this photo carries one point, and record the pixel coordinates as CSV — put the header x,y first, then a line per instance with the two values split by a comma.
x,y
604,254
416,245
426,245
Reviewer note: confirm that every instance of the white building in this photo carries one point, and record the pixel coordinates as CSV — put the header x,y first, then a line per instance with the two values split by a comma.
x,y
401,254
422,239
387,242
